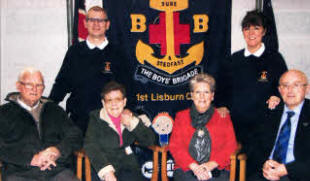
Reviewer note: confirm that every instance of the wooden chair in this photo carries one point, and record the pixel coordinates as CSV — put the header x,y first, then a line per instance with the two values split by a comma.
x,y
155,150
234,158
79,166
81,155
163,150
242,172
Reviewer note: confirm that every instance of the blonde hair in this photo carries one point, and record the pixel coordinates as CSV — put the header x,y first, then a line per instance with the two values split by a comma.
x,y
202,77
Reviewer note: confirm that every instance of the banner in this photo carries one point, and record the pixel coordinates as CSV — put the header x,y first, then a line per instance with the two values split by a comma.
x,y
167,42
271,37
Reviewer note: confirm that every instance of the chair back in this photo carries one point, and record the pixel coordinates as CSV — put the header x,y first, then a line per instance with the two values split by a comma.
x,y
234,159
81,156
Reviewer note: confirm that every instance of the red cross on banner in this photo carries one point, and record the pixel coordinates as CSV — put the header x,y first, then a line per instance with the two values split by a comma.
x,y
157,33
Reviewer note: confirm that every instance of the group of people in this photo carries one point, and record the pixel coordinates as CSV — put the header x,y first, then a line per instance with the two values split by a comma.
x,y
258,103
38,138
203,139
269,115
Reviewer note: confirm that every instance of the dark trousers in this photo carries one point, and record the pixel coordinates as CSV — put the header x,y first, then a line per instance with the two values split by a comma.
x,y
258,177
65,175
180,175
129,175
122,175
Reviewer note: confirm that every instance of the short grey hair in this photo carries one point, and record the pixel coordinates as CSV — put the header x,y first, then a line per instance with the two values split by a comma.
x,y
202,77
30,70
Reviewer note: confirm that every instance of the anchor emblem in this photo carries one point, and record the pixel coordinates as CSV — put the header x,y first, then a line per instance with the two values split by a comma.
x,y
170,63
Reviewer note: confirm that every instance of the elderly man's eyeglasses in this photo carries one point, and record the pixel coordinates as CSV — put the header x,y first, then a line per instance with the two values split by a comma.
x,y
31,86
293,86
98,20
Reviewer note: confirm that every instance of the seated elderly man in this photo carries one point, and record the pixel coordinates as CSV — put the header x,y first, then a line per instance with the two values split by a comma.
x,y
283,147
36,136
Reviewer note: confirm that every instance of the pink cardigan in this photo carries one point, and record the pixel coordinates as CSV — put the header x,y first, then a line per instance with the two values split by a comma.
x,y
223,140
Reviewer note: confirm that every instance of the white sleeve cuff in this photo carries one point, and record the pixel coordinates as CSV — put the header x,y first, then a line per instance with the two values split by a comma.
x,y
133,123
105,170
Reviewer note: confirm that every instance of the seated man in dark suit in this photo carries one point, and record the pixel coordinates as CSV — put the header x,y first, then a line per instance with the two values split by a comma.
x,y
37,138
282,150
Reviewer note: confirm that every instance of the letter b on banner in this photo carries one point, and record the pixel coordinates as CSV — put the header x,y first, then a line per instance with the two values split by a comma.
x,y
137,23
200,23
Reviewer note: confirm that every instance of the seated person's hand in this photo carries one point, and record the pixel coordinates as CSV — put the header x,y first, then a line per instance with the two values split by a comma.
x,y
48,165
126,117
200,171
223,111
110,176
52,153
273,101
36,160
146,120
42,161
272,170
46,158
210,165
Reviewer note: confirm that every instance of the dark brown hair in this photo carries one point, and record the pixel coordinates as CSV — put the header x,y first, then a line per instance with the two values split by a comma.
x,y
254,18
113,86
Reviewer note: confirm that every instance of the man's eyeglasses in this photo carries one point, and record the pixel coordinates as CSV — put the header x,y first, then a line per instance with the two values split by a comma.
x,y
31,86
293,86
98,20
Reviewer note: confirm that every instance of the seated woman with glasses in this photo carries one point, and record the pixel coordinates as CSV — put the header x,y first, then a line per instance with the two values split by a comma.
x,y
202,141
111,131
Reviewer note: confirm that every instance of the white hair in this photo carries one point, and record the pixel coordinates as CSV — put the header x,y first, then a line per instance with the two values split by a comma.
x,y
30,70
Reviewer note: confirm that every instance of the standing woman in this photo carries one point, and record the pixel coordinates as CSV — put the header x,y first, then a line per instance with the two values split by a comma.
x,y
251,79
202,141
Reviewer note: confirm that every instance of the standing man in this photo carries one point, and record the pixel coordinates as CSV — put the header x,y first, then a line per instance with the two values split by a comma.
x,y
86,68
283,147
37,138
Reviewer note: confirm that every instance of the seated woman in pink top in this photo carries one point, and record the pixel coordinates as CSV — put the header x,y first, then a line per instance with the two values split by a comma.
x,y
111,132
202,141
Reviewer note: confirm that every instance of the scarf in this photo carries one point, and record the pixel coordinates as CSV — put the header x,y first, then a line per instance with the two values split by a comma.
x,y
117,123
200,144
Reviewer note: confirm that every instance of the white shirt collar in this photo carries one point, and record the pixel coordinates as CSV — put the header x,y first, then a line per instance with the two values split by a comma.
x,y
101,46
296,110
258,53
25,106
